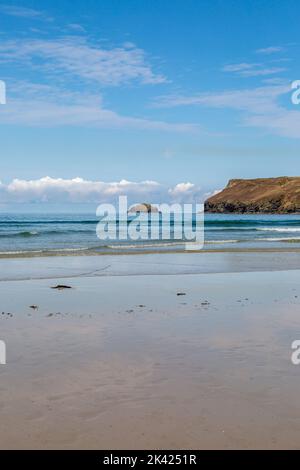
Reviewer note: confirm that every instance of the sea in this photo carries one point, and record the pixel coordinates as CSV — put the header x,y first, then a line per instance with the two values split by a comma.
x,y
34,234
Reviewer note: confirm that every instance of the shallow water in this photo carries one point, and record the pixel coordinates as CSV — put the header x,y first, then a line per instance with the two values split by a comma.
x,y
54,233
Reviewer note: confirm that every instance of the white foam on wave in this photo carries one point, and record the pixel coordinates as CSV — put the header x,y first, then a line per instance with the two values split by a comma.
x,y
29,252
145,245
222,241
279,239
281,229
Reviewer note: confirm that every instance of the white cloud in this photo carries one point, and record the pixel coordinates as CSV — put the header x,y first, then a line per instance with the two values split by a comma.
x,y
270,50
76,57
186,192
212,193
182,188
49,189
23,12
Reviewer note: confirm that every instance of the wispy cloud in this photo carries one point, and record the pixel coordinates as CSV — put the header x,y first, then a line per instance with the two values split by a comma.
x,y
270,50
241,67
76,27
245,69
253,100
77,58
46,106
75,61
262,71
259,107
23,12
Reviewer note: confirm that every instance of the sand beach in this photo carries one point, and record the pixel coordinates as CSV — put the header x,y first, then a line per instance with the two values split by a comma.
x,y
135,357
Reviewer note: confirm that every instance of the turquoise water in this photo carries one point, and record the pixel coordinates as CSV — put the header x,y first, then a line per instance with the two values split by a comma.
x,y
68,232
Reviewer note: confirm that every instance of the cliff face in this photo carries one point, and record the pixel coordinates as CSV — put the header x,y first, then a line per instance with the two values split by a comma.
x,y
261,195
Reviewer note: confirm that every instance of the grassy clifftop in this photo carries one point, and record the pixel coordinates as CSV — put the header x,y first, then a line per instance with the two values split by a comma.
x,y
261,195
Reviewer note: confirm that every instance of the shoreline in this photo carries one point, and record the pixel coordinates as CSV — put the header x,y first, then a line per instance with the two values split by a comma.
x,y
122,265
87,252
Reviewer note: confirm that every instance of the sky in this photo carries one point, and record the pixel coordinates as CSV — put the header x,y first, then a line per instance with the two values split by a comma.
x,y
161,100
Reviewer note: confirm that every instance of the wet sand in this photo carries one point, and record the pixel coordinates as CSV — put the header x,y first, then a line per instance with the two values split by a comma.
x,y
122,361
145,264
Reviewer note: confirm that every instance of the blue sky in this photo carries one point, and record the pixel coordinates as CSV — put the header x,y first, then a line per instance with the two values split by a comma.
x,y
184,94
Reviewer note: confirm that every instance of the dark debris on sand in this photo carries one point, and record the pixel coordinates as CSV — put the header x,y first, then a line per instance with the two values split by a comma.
x,y
7,314
61,287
